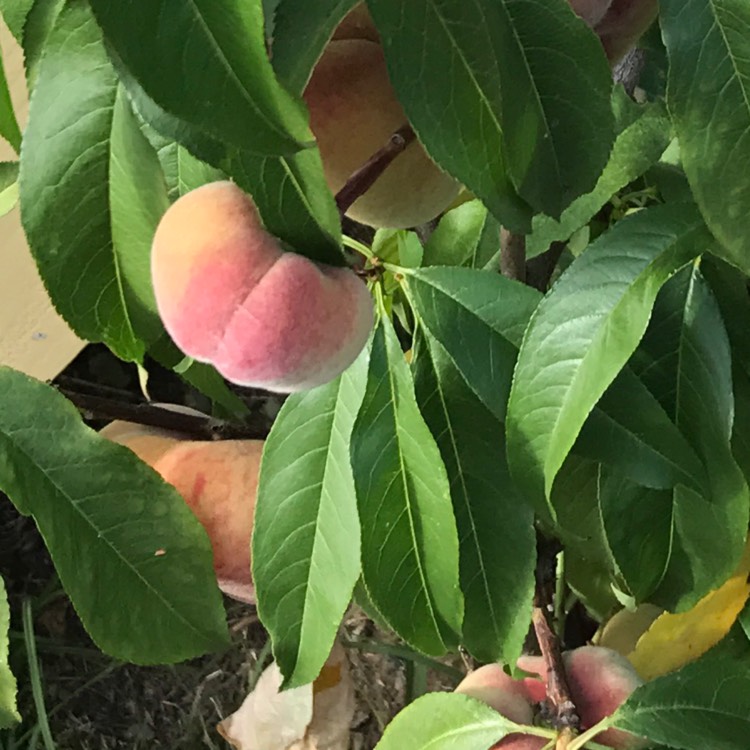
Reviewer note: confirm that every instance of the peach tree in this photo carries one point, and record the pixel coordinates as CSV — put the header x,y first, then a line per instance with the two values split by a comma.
x,y
496,252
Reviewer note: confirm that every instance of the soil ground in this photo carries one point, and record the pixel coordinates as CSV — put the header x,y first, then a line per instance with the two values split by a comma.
x,y
95,703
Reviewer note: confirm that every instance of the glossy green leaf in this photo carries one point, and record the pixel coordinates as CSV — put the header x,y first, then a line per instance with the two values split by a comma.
x,y
306,538
497,543
183,172
8,712
301,31
133,558
479,318
443,721
686,362
64,183
39,23
708,94
206,63
8,124
636,148
584,331
8,186
14,14
138,199
504,115
466,236
703,705
409,538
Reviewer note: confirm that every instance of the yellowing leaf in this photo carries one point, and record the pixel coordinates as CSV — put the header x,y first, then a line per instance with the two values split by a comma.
x,y
316,716
674,640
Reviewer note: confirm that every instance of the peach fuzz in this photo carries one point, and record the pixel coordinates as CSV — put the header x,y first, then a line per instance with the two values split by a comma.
x,y
229,295
511,698
600,680
353,113
218,480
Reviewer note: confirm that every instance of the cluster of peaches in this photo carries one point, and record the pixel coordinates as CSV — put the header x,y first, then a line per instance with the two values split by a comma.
x,y
230,295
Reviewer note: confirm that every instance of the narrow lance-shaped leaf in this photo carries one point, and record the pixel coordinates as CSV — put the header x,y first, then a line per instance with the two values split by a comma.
x,y
14,14
497,543
206,63
584,331
133,558
504,117
708,94
306,538
636,148
301,31
409,537
8,124
686,361
138,199
8,712
64,187
444,721
703,705
36,30
8,186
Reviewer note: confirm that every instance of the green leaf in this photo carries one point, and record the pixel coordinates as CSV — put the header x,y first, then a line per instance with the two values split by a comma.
x,y
479,318
8,186
466,236
183,172
8,711
409,537
8,124
64,183
703,705
584,331
39,23
508,124
134,560
206,63
306,537
301,31
636,148
14,14
138,199
708,94
294,200
497,543
685,360
446,721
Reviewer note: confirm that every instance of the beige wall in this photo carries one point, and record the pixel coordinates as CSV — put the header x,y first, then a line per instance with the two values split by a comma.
x,y
33,338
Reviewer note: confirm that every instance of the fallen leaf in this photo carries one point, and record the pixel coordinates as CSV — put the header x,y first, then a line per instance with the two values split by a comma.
x,y
311,717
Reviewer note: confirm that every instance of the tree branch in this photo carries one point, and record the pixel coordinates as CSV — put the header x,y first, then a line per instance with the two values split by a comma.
x,y
540,268
364,178
145,413
563,710
628,70
513,255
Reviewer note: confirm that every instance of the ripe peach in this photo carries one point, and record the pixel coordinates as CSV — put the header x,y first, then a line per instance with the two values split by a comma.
x,y
511,698
229,295
624,24
600,680
218,481
353,113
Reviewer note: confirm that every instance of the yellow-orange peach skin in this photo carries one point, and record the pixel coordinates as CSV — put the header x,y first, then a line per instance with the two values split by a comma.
x,y
353,113
229,295
218,481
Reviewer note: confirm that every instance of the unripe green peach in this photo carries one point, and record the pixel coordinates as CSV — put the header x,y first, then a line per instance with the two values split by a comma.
x,y
511,698
353,113
228,294
600,680
218,480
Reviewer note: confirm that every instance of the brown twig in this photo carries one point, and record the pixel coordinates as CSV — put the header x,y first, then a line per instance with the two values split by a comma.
x,y
628,70
364,178
513,255
145,413
563,713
